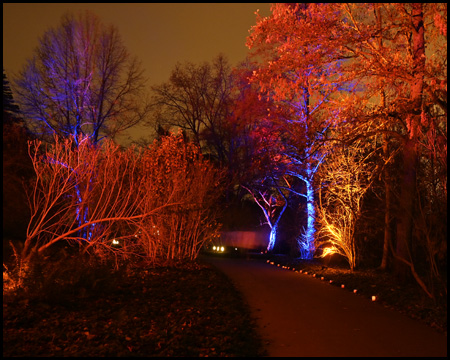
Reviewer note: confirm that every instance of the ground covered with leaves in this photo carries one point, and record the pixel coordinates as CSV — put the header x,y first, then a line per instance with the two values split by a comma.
x,y
405,297
178,310
75,308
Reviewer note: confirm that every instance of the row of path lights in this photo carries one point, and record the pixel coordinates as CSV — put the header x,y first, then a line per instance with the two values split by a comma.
x,y
355,291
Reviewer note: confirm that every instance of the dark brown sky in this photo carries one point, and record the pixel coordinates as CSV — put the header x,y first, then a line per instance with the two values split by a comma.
x,y
158,34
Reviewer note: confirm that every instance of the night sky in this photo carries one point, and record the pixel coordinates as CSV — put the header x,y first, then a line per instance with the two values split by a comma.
x,y
158,34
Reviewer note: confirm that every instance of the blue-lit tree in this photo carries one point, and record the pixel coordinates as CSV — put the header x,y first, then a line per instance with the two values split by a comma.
x,y
81,83
301,78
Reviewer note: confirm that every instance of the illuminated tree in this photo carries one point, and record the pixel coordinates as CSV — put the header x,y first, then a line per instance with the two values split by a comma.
x,y
381,69
273,204
299,76
344,176
265,178
155,202
179,171
114,194
398,55
81,81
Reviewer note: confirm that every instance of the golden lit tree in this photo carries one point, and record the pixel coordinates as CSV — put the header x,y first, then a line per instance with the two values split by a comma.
x,y
345,176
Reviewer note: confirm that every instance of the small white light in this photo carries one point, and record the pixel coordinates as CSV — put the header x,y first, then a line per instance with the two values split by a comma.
x,y
222,249
214,248
374,298
115,242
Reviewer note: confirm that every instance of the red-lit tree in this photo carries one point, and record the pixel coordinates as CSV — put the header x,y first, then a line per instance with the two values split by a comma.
x,y
157,202
401,88
381,69
301,78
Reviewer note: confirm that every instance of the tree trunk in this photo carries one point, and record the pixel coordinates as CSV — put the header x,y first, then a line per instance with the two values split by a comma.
x,y
410,154
311,217
388,209
387,178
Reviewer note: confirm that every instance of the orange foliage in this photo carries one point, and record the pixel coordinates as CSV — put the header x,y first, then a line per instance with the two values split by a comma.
x,y
120,195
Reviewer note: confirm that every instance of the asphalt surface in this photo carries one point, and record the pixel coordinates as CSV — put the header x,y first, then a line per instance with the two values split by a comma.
x,y
299,315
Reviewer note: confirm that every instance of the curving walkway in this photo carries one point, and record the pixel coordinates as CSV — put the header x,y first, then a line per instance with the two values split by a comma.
x,y
299,315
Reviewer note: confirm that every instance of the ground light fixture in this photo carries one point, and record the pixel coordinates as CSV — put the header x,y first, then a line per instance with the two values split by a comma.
x,y
355,291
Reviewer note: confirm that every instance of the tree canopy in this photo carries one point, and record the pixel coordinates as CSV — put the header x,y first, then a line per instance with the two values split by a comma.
x,y
81,81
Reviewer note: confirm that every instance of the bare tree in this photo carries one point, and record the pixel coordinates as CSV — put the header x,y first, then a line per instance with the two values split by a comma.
x,y
179,171
155,202
197,99
345,175
102,182
81,81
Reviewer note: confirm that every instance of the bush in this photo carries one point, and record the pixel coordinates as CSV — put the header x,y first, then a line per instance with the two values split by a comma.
x,y
156,202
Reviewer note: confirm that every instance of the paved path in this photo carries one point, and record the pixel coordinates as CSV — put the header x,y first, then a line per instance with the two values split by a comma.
x,y
300,315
